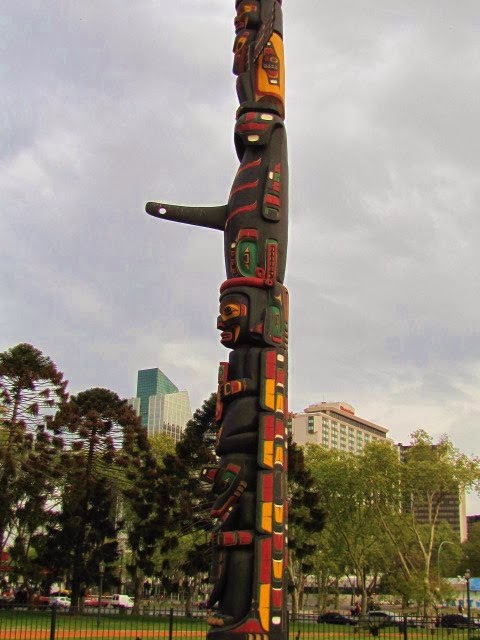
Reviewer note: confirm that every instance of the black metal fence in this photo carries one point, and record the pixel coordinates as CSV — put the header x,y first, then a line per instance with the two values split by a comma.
x,y
54,623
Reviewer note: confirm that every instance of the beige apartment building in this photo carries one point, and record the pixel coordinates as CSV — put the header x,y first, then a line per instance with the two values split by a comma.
x,y
335,426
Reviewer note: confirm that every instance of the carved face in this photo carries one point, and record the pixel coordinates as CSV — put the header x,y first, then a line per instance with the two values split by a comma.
x,y
240,51
233,320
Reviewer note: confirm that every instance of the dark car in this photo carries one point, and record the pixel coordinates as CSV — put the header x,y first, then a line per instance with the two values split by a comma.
x,y
380,619
457,621
332,617
6,602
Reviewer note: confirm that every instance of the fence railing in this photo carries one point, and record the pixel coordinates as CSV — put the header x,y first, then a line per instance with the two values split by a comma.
x,y
55,623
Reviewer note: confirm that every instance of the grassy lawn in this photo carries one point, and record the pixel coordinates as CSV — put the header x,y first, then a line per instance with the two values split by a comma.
x,y
36,625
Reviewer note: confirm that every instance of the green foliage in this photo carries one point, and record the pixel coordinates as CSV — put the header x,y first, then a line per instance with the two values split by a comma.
x,y
94,423
76,472
189,516
306,512
384,510
471,553
162,445
306,517
352,540
31,388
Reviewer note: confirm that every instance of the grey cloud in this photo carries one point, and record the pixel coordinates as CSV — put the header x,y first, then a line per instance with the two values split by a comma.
x,y
107,107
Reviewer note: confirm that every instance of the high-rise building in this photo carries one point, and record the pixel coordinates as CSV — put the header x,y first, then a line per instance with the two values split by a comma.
x,y
161,406
471,521
452,508
335,426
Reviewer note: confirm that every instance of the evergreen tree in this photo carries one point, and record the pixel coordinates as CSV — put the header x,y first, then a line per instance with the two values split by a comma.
x,y
191,508
146,505
31,387
93,423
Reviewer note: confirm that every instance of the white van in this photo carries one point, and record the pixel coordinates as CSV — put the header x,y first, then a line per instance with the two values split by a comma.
x,y
120,601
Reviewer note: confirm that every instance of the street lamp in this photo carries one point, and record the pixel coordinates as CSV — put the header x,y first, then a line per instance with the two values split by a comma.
x,y
467,579
101,572
438,555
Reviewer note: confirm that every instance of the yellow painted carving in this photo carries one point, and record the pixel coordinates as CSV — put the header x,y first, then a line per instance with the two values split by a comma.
x,y
265,80
268,454
229,310
267,509
278,569
264,606
279,406
279,455
270,393
278,514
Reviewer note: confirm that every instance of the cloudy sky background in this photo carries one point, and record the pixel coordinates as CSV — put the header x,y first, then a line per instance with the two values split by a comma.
x,y
105,105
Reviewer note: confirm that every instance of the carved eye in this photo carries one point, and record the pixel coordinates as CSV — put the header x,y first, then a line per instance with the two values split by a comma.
x,y
228,310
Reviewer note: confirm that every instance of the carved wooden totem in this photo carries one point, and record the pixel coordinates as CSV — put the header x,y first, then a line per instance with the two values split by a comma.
x,y
248,599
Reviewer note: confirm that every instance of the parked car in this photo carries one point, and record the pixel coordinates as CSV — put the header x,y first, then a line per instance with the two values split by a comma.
x,y
416,621
62,602
381,619
41,601
120,601
92,601
333,617
457,621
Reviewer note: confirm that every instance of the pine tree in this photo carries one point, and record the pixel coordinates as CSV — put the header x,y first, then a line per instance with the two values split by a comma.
x,y
191,509
93,424
31,387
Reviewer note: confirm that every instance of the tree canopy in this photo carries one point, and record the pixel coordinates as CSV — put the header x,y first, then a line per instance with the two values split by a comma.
x,y
83,483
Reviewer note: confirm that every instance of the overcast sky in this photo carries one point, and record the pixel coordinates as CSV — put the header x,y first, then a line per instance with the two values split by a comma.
x,y
105,105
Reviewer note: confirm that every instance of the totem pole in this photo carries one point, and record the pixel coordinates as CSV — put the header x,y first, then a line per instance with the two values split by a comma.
x,y
249,540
